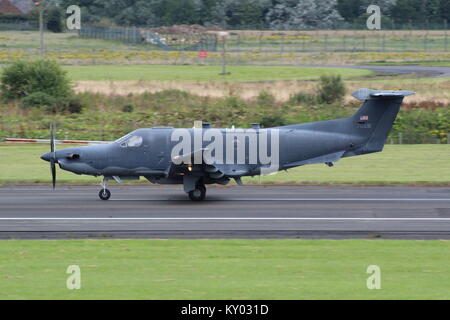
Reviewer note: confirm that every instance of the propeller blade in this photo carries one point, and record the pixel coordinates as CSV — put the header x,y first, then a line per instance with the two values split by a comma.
x,y
52,138
53,170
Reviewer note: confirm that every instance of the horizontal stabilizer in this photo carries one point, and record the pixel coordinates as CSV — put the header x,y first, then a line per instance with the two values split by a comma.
x,y
367,94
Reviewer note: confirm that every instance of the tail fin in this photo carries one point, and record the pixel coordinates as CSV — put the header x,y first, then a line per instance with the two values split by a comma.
x,y
374,120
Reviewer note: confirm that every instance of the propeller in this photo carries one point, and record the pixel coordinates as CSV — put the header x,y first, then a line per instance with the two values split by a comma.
x,y
53,159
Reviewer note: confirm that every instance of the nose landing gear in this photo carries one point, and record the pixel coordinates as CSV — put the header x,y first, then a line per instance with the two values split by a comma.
x,y
104,194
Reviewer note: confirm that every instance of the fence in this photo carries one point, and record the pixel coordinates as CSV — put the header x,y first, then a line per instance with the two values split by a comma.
x,y
19,25
282,41
168,42
416,138
340,41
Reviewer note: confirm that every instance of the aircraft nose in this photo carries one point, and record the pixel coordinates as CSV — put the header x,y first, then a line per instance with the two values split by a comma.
x,y
47,156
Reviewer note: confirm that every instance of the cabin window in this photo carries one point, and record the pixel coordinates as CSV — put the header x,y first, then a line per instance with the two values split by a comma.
x,y
132,142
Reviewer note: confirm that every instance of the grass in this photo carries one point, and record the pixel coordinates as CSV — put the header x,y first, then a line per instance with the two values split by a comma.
x,y
224,269
428,89
398,164
22,164
204,73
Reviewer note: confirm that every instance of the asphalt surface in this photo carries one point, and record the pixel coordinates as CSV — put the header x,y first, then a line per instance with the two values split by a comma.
x,y
232,212
417,71
414,71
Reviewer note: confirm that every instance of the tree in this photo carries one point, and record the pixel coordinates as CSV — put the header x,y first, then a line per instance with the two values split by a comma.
x,y
350,10
206,11
54,20
173,12
444,10
355,10
278,14
141,13
241,13
303,14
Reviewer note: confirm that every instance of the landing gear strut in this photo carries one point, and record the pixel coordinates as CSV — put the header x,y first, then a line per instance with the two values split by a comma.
x,y
104,194
198,194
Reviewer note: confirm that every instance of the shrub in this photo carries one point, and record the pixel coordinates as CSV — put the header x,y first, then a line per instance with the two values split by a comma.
x,y
23,78
234,102
274,119
265,99
50,104
331,89
128,108
72,105
303,98
39,100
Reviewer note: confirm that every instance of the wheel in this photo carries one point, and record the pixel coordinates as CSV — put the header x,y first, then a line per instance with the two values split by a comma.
x,y
104,194
198,194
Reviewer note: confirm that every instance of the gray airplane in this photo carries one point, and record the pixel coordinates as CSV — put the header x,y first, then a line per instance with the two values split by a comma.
x,y
200,156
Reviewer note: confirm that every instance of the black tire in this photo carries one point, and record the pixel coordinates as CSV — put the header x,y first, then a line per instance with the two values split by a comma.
x,y
104,194
198,194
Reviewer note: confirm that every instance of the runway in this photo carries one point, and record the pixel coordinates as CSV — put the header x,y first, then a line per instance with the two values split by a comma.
x,y
37,212
416,72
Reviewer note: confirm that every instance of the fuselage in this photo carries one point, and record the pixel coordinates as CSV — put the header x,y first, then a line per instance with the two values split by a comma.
x,y
149,152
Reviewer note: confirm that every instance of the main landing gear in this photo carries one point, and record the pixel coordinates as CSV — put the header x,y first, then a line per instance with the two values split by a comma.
x,y
198,194
104,194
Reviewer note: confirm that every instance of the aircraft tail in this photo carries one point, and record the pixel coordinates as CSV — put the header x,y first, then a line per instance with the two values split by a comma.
x,y
373,121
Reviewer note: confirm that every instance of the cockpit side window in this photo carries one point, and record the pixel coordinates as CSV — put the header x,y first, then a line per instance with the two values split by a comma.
x,y
133,141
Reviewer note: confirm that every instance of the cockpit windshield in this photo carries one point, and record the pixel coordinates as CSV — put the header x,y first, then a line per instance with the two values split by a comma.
x,y
131,140
124,138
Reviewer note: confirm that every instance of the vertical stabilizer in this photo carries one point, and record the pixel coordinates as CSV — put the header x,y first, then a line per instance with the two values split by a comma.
x,y
376,116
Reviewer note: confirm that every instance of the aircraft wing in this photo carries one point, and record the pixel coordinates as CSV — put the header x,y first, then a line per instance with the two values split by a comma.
x,y
190,158
217,172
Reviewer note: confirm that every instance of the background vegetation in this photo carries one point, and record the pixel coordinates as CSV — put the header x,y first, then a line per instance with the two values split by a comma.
x,y
104,118
27,110
274,14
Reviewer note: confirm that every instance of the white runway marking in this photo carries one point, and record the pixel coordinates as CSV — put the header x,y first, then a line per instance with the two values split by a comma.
x,y
224,219
299,199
